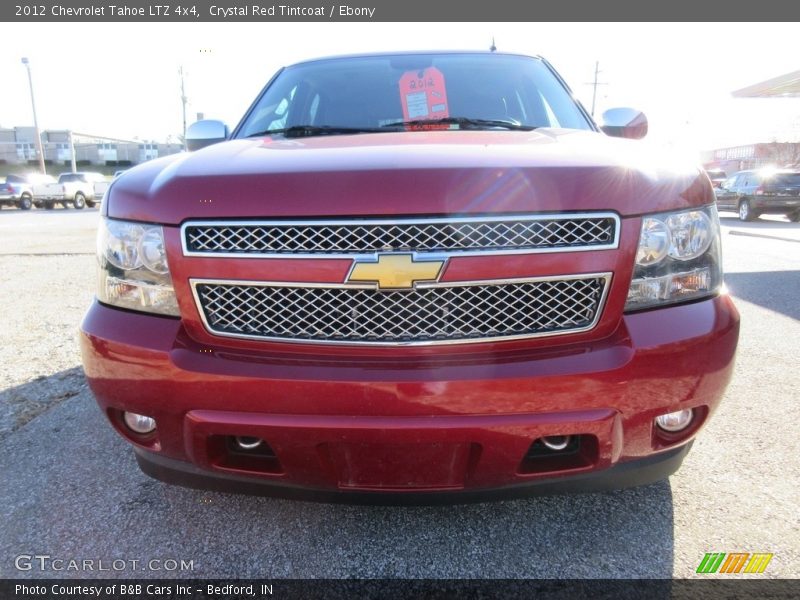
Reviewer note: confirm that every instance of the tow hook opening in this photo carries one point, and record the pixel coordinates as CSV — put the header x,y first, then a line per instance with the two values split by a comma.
x,y
556,442
243,453
560,453
246,443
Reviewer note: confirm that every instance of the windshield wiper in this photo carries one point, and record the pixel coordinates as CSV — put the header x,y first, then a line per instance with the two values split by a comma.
x,y
461,122
312,130
464,123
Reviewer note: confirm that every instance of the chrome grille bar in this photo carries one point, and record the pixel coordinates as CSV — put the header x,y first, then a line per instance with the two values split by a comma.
x,y
347,238
431,313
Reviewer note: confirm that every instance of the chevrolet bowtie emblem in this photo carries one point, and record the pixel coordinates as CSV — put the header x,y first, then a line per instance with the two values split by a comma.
x,y
395,271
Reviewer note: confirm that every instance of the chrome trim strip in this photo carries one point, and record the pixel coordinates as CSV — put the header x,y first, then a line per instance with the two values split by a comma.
x,y
193,283
411,221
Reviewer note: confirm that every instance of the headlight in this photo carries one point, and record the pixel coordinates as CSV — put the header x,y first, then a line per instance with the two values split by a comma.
x,y
678,259
120,242
151,250
653,242
691,234
134,272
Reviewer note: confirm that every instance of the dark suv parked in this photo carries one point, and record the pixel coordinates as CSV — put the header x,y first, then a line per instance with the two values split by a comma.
x,y
16,191
767,191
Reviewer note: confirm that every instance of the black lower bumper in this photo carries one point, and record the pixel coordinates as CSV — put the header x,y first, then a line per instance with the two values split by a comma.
x,y
628,474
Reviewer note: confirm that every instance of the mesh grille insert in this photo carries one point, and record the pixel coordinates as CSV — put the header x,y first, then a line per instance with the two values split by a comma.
x,y
472,235
425,314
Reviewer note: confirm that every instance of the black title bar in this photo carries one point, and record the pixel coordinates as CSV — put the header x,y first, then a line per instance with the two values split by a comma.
x,y
391,589
394,11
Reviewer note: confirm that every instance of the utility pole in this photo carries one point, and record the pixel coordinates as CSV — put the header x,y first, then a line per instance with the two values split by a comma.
x,y
39,150
595,83
183,101
72,152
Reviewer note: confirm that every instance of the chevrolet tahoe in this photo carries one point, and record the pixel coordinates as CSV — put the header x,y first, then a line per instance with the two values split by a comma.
x,y
411,277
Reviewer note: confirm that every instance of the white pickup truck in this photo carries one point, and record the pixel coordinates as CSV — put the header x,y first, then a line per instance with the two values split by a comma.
x,y
78,189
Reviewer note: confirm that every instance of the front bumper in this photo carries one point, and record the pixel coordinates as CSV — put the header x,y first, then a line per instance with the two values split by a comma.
x,y
623,475
413,426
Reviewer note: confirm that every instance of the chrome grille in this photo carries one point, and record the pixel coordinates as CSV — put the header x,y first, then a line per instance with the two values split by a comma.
x,y
591,231
430,313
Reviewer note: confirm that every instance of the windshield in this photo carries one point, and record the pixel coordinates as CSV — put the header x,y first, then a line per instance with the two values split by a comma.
x,y
377,93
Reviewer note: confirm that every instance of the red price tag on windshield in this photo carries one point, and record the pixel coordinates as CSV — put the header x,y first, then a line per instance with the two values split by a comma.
x,y
423,95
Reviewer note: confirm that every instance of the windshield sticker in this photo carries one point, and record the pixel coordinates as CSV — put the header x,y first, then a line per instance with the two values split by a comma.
x,y
423,95
416,106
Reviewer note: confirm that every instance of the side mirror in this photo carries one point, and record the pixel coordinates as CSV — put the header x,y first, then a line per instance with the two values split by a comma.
x,y
624,123
204,133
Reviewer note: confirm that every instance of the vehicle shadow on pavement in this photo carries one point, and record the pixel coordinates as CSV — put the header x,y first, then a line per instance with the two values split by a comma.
x,y
774,290
22,403
73,490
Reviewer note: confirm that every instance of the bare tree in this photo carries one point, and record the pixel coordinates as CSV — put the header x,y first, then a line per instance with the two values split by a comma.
x,y
783,154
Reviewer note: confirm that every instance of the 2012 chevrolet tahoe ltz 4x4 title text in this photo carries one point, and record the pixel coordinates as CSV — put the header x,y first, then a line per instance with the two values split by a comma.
x,y
411,277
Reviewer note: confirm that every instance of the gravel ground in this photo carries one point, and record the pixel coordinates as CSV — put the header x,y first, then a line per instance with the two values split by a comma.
x,y
46,283
75,491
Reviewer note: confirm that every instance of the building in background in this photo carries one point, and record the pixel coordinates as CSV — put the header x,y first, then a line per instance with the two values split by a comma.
x,y
18,148
752,156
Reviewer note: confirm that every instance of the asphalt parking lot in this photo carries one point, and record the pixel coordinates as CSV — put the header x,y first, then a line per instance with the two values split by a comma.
x,y
73,491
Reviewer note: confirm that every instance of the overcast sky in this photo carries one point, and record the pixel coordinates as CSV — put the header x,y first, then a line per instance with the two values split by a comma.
x,y
121,80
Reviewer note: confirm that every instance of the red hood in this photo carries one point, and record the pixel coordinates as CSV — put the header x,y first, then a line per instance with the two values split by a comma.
x,y
410,173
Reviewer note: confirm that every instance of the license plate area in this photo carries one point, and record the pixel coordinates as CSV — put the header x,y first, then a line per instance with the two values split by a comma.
x,y
399,466
385,453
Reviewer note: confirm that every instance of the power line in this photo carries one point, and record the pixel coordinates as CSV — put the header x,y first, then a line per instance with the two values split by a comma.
x,y
595,83
184,100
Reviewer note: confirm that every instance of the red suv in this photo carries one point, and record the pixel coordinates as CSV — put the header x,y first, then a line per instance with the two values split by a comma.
x,y
413,276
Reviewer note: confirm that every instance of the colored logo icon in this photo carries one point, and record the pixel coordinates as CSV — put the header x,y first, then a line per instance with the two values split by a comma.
x,y
741,562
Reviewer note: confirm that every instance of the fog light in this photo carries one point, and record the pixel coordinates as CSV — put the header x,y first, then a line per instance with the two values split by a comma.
x,y
139,423
675,421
